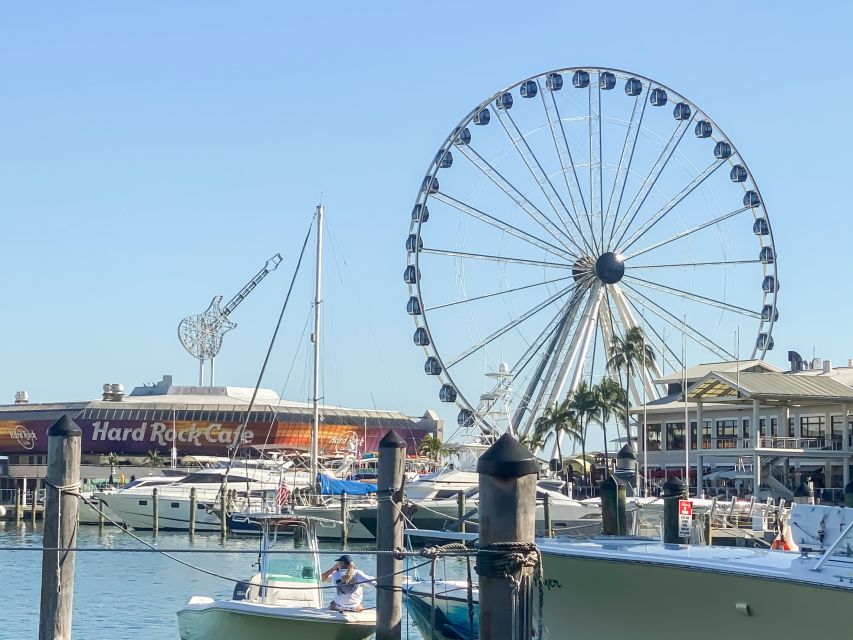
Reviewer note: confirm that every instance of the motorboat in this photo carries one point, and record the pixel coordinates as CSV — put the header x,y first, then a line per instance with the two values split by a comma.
x,y
134,504
284,600
664,591
457,612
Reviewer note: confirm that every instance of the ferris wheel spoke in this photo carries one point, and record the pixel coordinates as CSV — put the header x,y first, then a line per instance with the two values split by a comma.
x,y
651,180
484,256
538,173
503,226
691,264
595,196
674,202
664,345
694,296
627,157
516,196
496,293
564,153
680,325
509,326
688,232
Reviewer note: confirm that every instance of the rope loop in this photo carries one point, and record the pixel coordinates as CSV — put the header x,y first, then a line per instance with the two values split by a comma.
x,y
506,559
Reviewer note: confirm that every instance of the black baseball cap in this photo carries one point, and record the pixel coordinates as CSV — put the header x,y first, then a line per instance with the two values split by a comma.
x,y
347,560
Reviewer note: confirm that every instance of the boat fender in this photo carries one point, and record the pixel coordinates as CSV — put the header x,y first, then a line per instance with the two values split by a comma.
x,y
241,589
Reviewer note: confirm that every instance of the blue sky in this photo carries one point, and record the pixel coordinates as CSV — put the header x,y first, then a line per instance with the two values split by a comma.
x,y
156,154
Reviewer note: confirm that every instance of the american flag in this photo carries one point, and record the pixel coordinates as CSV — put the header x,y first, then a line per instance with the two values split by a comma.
x,y
282,494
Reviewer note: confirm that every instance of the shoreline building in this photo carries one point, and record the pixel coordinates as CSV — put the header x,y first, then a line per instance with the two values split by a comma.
x,y
202,420
764,431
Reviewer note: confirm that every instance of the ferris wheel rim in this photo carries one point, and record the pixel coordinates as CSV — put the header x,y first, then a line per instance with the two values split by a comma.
x,y
735,157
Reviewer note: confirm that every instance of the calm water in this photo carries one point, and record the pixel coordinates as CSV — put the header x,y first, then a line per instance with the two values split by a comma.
x,y
122,595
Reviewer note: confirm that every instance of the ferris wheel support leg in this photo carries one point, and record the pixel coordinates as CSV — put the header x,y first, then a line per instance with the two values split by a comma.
x,y
553,357
651,369
201,373
580,348
212,371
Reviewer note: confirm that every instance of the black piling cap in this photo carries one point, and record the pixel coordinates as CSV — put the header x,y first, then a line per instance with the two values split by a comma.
x,y
507,458
804,491
848,488
626,452
674,487
392,441
64,427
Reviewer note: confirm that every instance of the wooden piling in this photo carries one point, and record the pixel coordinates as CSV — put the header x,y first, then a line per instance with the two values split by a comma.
x,y
389,537
100,517
34,503
60,529
546,509
344,520
460,511
614,519
673,490
507,527
155,511
19,504
193,507
223,512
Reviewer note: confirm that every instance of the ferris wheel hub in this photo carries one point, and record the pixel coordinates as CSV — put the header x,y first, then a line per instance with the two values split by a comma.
x,y
610,267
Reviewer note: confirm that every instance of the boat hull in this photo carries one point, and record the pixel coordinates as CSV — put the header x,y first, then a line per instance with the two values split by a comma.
x,y
233,620
135,510
598,598
453,620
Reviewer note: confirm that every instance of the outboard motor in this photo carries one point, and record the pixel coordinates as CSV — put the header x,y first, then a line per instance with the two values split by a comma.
x,y
241,590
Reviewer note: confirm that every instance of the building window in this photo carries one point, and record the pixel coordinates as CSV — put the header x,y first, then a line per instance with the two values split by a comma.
x,y
811,426
727,434
837,428
653,437
675,436
774,427
746,427
706,434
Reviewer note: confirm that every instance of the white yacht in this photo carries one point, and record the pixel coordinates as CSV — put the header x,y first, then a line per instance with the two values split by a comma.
x,y
134,505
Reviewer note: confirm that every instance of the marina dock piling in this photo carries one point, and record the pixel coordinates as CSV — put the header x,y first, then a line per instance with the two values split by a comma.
x,y
19,504
546,514
223,510
344,520
507,555
193,507
389,537
673,491
155,511
848,494
460,511
62,483
614,518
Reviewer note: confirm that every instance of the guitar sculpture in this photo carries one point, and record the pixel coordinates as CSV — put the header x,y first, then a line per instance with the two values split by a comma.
x,y
202,333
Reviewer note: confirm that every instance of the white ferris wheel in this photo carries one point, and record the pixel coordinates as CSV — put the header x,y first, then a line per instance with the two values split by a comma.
x,y
566,209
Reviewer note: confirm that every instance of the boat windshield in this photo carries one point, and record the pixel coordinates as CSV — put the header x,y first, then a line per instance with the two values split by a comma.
x,y
292,569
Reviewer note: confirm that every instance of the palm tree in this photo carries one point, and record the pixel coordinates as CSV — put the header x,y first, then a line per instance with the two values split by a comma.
x,y
432,447
584,403
561,419
153,458
611,403
625,353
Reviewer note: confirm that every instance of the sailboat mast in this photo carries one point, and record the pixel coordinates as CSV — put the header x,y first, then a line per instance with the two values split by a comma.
x,y
315,425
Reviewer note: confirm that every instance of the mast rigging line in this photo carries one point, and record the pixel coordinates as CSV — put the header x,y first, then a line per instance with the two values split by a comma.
x,y
242,428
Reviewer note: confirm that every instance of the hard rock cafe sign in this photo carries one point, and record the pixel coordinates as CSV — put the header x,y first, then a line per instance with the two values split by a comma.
x,y
24,437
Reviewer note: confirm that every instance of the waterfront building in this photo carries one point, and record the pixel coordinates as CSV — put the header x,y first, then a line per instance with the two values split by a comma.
x,y
764,431
202,421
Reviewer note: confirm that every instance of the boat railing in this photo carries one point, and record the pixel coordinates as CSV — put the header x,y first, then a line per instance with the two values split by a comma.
x,y
834,547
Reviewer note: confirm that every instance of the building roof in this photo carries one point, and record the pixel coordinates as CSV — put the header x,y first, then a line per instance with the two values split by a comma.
x,y
769,386
698,372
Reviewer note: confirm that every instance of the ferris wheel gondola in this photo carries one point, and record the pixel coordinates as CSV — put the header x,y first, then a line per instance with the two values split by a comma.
x,y
563,211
